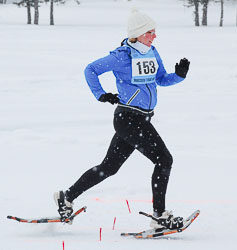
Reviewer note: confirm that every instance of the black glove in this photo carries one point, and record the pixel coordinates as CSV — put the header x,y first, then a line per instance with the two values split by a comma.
x,y
182,68
109,97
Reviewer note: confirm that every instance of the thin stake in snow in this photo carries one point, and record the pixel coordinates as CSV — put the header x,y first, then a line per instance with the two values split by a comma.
x,y
63,246
114,222
100,233
128,206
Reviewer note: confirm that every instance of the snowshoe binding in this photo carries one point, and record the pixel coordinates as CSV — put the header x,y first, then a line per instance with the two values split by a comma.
x,y
65,208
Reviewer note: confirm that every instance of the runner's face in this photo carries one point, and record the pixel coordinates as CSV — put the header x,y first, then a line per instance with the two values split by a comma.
x,y
147,38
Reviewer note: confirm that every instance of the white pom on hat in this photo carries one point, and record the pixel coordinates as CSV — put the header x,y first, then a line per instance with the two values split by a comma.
x,y
139,23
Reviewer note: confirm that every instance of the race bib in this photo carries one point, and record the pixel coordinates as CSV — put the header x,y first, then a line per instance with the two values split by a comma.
x,y
144,68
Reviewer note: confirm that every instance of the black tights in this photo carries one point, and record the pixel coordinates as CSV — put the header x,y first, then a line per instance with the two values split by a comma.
x,y
133,131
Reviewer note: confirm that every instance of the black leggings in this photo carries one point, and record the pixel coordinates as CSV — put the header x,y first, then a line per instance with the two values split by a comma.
x,y
133,131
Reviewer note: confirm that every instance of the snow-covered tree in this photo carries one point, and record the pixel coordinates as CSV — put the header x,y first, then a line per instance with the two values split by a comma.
x,y
36,6
51,12
195,3
204,12
222,13
196,12
28,5
205,3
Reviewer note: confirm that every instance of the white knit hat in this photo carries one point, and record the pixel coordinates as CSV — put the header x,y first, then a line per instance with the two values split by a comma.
x,y
139,23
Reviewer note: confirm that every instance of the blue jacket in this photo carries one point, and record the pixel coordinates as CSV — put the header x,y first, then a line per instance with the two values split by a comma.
x,y
119,61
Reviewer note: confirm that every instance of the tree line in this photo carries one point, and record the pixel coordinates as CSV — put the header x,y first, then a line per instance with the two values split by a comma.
x,y
197,4
35,4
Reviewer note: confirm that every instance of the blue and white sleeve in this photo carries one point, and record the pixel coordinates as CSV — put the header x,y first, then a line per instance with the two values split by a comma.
x,y
96,68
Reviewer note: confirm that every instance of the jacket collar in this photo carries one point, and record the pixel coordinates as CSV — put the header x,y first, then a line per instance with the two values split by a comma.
x,y
142,48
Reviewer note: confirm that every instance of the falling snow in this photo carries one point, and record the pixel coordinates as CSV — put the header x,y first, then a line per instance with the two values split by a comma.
x,y
102,173
56,130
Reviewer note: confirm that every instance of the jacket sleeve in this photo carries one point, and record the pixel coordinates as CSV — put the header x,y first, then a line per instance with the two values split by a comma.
x,y
162,77
98,67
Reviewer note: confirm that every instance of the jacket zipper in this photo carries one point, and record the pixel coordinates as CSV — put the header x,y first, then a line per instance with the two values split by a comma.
x,y
150,96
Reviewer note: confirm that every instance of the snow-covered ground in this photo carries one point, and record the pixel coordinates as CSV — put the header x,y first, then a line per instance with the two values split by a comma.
x,y
52,129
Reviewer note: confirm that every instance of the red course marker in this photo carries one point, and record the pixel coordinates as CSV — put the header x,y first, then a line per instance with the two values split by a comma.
x,y
128,207
100,233
114,222
63,246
